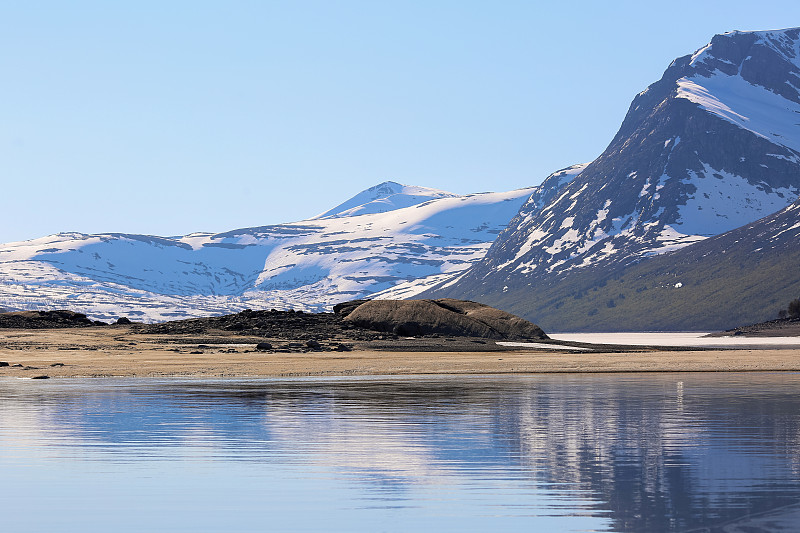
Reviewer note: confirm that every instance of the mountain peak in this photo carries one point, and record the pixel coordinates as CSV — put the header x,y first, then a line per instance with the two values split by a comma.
x,y
383,197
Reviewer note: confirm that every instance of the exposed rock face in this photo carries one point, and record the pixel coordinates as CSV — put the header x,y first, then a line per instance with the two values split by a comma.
x,y
45,319
444,317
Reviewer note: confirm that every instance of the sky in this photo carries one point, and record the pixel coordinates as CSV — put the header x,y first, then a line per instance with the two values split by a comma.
x,y
168,118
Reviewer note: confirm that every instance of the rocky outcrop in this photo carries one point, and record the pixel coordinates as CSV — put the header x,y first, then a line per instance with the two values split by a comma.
x,y
46,319
443,317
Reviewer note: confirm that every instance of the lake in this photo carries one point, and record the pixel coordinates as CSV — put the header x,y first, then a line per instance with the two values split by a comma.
x,y
614,452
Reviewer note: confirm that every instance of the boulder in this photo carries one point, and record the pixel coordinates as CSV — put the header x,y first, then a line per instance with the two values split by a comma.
x,y
263,346
313,345
444,316
345,308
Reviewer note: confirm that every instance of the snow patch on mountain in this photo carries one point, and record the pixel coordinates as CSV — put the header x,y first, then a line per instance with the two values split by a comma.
x,y
749,106
751,79
723,201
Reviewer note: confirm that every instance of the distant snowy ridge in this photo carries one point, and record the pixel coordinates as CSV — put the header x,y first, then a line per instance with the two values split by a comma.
x,y
353,251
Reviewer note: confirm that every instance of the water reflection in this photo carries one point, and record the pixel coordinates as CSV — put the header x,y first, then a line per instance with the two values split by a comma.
x,y
559,453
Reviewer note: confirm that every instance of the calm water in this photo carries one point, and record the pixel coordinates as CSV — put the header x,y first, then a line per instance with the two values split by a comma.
x,y
678,452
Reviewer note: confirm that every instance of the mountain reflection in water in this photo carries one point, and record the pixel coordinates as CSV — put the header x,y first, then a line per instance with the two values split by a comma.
x,y
560,453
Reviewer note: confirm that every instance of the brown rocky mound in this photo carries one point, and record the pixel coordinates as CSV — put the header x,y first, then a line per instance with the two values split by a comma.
x,y
45,319
444,316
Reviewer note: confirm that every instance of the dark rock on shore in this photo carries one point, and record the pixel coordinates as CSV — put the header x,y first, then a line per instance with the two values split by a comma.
x,y
782,327
45,319
410,318
313,345
263,346
272,324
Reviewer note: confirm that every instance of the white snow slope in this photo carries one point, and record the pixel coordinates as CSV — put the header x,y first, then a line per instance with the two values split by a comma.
x,y
750,105
368,244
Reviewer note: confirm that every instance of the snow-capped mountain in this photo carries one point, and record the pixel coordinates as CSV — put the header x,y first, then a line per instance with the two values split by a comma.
x,y
386,235
712,146
386,196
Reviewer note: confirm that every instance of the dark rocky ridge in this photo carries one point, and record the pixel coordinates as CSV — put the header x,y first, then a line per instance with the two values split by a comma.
x,y
364,320
287,325
46,319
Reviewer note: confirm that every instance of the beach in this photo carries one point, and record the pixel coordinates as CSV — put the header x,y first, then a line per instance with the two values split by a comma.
x,y
108,352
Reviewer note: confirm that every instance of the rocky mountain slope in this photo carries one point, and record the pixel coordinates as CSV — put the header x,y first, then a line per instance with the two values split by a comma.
x,y
712,146
386,235
741,277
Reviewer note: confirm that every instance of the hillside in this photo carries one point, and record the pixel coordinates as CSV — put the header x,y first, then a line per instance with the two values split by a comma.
x,y
744,276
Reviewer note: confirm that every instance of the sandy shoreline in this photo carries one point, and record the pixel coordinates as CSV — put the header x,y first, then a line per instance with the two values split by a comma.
x,y
103,353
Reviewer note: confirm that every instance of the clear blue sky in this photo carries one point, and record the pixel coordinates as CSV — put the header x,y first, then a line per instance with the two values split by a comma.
x,y
170,117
